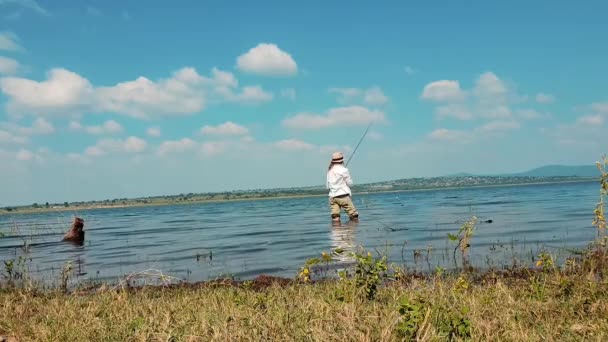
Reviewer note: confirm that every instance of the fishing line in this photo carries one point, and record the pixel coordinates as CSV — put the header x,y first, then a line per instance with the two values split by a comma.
x,y
359,143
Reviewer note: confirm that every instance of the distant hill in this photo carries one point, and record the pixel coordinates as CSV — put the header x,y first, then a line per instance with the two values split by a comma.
x,y
561,170
543,171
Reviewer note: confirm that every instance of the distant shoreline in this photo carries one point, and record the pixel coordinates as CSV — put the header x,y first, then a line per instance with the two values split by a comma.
x,y
252,198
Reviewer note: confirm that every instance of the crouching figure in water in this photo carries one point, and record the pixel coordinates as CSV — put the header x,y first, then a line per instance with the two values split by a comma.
x,y
338,183
76,232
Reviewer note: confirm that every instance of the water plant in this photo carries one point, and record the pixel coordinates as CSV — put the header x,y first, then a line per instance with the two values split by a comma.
x,y
600,219
463,236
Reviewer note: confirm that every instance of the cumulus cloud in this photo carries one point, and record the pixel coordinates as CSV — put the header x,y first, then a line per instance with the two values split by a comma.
x,y
7,137
212,148
252,94
591,120
372,96
63,90
25,155
443,91
29,4
8,66
105,146
9,42
496,126
444,134
153,132
544,98
40,126
176,146
294,145
267,59
226,129
185,92
491,98
347,116
454,110
108,127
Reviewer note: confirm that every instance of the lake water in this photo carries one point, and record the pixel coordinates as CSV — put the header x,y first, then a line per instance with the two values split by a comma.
x,y
247,238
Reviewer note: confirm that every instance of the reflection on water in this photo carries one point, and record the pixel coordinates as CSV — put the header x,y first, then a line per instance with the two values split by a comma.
x,y
244,239
343,237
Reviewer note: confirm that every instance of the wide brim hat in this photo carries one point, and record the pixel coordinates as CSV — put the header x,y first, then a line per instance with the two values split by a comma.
x,y
337,157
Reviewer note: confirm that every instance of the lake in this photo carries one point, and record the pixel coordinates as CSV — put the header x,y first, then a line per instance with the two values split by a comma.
x,y
244,239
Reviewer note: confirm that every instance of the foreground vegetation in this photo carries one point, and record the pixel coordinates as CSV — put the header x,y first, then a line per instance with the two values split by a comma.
x,y
371,301
375,303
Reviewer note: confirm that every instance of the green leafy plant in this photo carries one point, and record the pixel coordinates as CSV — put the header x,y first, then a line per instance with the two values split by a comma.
x,y
411,312
600,218
457,324
369,272
464,238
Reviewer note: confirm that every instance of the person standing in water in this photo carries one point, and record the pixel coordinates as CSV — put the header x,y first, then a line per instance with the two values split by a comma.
x,y
338,184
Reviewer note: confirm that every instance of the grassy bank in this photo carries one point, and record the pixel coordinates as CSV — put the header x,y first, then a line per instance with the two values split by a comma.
x,y
524,305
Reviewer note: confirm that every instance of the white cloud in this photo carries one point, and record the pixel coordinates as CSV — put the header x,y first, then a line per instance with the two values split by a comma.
x,y
153,132
372,96
130,145
226,129
294,145
443,91
135,145
600,107
496,126
75,125
289,93
490,89
454,110
444,134
176,146
495,112
177,95
267,59
108,127
8,66
7,137
184,93
213,148
347,116
373,135
63,90
529,114
40,126
25,155
375,97
544,98
410,70
9,42
591,120
29,4
252,94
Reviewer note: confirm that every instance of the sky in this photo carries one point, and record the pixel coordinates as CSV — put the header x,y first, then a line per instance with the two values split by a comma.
x,y
103,100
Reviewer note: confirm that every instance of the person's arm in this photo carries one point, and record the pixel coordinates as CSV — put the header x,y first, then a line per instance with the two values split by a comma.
x,y
347,178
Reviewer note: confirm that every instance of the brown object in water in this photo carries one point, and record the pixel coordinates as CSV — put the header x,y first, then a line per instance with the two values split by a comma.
x,y
76,232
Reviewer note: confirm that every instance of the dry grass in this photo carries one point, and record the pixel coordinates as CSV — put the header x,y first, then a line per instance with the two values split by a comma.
x,y
541,306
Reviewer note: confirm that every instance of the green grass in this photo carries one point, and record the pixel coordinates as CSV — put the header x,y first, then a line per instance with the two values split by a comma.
x,y
534,306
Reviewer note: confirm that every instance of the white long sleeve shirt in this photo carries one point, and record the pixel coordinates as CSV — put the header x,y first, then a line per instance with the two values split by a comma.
x,y
338,181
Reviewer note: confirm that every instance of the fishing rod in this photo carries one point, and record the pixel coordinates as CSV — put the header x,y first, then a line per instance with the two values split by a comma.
x,y
359,143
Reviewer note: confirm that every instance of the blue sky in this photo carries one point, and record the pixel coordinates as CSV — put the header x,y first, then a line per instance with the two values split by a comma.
x,y
109,100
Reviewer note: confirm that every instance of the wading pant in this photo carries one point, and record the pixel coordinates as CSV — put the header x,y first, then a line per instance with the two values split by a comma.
x,y
342,202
